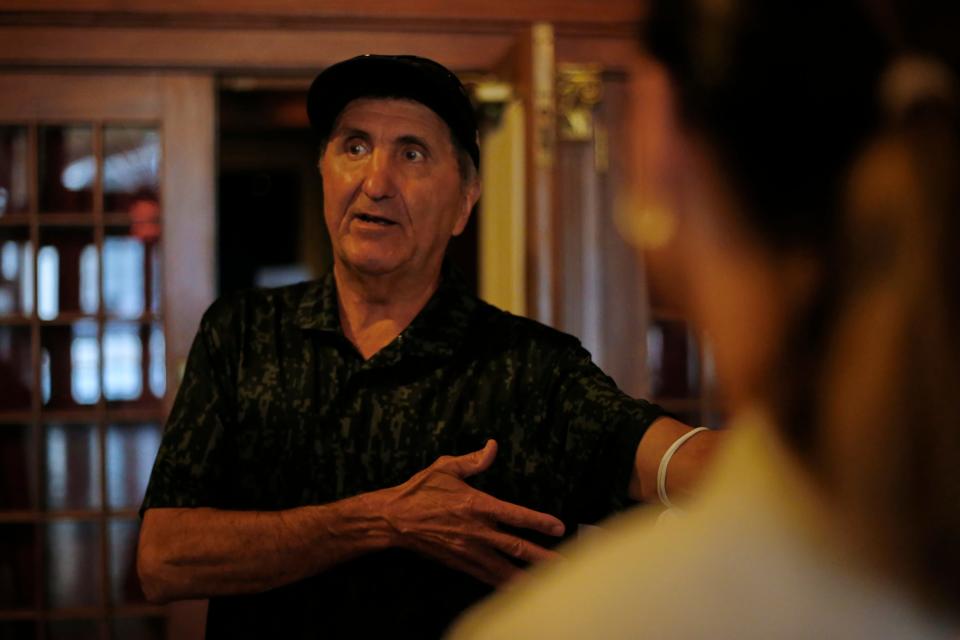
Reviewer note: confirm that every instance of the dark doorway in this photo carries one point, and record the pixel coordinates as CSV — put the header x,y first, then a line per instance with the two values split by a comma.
x,y
259,230
269,212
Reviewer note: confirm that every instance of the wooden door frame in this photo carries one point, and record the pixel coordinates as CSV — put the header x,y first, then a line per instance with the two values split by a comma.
x,y
184,104
183,107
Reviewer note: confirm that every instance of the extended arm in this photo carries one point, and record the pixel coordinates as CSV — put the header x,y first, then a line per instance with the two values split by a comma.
x,y
201,552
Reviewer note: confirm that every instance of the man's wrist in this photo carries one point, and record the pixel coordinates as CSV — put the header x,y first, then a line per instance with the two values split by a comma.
x,y
355,525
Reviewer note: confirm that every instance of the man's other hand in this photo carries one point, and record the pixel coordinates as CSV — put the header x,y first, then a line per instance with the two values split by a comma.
x,y
437,514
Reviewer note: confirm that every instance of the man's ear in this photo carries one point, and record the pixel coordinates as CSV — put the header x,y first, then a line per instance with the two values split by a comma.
x,y
471,193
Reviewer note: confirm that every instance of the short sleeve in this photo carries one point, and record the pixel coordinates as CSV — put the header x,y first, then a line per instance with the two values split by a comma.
x,y
189,463
603,427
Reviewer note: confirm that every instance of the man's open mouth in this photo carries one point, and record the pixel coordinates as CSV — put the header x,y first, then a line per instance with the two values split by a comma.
x,y
366,217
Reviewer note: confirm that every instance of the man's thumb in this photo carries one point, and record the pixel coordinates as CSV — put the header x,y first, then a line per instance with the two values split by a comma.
x,y
471,463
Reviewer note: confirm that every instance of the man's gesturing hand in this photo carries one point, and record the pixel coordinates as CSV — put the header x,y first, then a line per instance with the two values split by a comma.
x,y
439,515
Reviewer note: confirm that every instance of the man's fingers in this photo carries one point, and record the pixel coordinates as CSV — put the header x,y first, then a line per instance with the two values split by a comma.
x,y
470,464
488,567
520,549
517,516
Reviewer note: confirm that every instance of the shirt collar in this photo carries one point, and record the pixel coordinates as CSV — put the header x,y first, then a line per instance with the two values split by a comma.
x,y
436,331
318,308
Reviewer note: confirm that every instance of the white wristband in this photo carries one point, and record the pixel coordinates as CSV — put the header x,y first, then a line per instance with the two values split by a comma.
x,y
665,462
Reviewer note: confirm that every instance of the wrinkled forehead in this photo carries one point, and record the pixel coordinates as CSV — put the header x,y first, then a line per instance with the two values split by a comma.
x,y
396,113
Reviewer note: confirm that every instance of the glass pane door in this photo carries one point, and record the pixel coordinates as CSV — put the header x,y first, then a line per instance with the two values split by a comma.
x,y
82,373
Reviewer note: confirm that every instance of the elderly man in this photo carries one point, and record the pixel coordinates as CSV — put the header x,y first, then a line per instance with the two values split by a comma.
x,y
306,482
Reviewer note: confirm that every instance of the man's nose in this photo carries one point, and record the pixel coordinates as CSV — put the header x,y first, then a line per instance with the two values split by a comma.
x,y
378,183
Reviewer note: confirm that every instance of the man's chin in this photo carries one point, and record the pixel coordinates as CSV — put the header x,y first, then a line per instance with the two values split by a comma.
x,y
373,266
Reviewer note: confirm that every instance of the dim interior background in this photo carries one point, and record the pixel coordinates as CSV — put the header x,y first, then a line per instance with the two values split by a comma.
x,y
154,155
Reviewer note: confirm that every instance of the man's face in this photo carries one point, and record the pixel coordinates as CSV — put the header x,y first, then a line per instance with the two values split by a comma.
x,y
392,191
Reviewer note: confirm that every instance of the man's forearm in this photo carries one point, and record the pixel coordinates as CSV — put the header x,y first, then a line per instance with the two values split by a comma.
x,y
202,552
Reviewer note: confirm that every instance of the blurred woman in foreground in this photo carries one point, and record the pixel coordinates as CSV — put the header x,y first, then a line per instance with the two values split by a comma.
x,y
821,226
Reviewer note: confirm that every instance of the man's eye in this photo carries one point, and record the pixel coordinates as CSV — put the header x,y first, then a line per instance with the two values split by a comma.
x,y
414,155
356,148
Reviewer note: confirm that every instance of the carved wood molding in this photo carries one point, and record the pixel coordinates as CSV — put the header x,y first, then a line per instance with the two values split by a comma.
x,y
505,22
579,91
574,12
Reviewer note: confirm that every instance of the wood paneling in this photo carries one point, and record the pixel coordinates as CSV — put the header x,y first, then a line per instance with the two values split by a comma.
x,y
560,11
66,97
216,34
613,53
239,50
235,49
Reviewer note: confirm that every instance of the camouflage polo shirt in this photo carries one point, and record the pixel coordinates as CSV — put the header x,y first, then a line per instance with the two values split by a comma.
x,y
278,409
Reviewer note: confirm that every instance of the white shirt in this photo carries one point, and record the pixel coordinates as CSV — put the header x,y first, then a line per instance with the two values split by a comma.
x,y
756,556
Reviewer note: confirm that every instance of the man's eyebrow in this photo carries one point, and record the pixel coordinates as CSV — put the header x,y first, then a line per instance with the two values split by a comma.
x,y
412,139
350,132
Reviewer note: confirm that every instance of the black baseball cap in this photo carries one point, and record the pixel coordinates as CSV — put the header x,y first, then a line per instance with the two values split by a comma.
x,y
379,76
